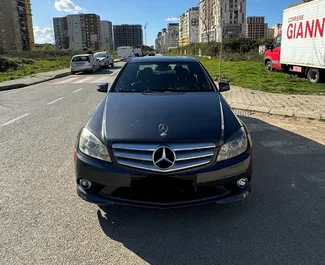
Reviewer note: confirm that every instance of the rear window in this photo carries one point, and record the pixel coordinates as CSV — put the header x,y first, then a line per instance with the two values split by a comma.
x,y
81,59
163,76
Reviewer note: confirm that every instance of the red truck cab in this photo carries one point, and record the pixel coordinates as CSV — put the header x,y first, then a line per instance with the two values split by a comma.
x,y
272,54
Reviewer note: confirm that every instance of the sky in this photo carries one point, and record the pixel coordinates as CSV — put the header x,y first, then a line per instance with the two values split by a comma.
x,y
157,13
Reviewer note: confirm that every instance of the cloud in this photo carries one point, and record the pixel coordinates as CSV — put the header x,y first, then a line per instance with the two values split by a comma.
x,y
172,19
67,6
44,35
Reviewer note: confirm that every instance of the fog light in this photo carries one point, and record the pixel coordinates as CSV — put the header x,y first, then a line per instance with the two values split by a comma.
x,y
242,183
85,184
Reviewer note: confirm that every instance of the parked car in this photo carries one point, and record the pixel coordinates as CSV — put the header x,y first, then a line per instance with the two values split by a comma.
x,y
84,63
163,137
106,59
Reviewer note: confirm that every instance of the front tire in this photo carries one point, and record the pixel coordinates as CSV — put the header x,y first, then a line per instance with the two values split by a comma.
x,y
269,66
112,64
313,75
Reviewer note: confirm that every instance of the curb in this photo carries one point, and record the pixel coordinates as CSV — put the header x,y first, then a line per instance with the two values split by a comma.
x,y
290,114
21,85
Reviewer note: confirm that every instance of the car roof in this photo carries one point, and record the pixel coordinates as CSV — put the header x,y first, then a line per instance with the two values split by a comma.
x,y
152,59
81,55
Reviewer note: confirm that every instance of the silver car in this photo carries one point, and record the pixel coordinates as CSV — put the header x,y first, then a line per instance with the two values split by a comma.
x,y
84,63
106,59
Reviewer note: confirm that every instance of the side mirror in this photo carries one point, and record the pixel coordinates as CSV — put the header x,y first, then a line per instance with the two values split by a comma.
x,y
103,87
223,86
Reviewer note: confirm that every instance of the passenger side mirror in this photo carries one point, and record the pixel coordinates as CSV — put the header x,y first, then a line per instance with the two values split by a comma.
x,y
223,86
103,87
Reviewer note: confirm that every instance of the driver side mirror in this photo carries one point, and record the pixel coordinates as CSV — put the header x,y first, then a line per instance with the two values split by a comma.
x,y
223,86
103,87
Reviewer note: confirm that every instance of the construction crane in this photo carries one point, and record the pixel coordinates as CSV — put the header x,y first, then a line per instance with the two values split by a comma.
x,y
145,33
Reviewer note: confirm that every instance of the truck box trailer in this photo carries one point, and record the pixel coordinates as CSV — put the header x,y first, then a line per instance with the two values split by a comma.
x,y
125,52
300,46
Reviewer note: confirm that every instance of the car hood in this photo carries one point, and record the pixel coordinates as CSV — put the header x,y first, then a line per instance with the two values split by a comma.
x,y
101,58
135,117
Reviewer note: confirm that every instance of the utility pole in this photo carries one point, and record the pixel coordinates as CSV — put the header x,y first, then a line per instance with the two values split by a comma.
x,y
145,34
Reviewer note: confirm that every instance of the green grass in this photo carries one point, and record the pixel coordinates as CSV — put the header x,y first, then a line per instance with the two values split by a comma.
x,y
40,65
250,74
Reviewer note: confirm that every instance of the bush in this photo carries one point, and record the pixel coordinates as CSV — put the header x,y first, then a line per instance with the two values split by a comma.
x,y
233,49
6,64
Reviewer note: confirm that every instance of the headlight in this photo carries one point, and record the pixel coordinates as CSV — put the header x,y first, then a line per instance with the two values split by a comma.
x,y
90,145
236,145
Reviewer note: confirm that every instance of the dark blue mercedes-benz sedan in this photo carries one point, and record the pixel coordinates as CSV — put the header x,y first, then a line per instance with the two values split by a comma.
x,y
163,137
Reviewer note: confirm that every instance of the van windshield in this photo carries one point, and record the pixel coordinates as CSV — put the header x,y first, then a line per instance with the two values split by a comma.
x,y
100,54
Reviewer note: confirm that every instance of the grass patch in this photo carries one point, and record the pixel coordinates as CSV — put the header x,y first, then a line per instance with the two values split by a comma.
x,y
252,74
37,66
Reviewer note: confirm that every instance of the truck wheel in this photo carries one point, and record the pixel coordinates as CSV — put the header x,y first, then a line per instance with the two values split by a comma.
x,y
313,75
269,66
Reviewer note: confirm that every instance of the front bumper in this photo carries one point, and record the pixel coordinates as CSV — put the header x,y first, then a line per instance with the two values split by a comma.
x,y
208,182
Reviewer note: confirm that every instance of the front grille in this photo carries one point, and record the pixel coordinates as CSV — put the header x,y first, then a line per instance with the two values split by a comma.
x,y
141,156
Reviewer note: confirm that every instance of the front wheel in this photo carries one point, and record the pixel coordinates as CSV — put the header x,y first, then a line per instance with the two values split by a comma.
x,y
112,64
313,75
269,66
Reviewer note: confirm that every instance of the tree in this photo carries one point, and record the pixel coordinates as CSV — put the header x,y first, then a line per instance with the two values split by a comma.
x,y
206,17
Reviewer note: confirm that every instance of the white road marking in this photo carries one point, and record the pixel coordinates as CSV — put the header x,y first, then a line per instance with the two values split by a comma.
x,y
102,79
16,119
77,90
67,80
115,72
52,102
12,92
317,178
83,80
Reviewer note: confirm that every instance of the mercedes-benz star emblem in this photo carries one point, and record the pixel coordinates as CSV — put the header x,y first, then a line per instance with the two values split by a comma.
x,y
164,157
163,128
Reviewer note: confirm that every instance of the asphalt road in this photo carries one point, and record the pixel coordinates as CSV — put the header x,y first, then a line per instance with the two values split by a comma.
x,y
44,222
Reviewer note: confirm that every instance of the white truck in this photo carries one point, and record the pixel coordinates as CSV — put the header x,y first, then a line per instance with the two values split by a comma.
x,y
125,52
300,46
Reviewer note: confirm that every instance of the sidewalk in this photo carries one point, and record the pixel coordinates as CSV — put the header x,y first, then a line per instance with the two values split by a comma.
x,y
36,79
302,106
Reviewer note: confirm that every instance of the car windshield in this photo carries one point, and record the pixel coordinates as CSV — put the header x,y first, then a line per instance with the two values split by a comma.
x,y
100,54
81,59
163,77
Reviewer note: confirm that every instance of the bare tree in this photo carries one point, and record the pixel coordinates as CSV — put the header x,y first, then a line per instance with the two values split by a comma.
x,y
206,17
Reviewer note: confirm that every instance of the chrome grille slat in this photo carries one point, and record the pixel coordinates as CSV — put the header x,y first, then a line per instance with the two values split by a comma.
x,y
188,155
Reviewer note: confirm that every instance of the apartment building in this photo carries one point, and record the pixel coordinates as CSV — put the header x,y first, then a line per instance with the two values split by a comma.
x,y
158,41
106,35
270,33
61,32
256,28
128,35
172,35
81,31
221,19
277,28
16,26
189,27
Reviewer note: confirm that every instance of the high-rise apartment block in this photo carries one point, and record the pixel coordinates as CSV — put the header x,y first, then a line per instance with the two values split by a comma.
x,y
189,27
172,35
61,32
82,31
256,28
106,35
16,26
222,19
128,35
